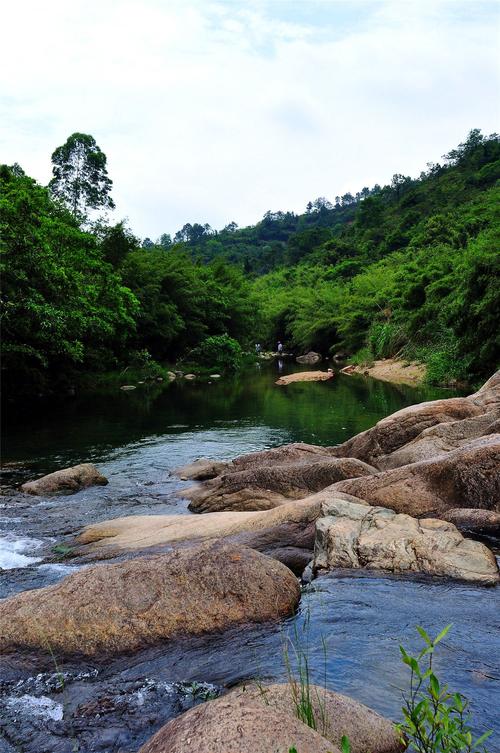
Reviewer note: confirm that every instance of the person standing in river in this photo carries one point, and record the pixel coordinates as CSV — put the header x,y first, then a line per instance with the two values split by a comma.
x,y
280,347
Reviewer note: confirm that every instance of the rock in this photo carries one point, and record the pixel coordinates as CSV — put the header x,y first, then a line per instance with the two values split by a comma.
x,y
215,376
340,356
66,480
285,533
190,376
128,387
306,376
309,358
466,477
264,487
356,536
351,369
401,427
234,724
474,521
109,609
296,452
171,375
159,379
200,470
440,439
335,714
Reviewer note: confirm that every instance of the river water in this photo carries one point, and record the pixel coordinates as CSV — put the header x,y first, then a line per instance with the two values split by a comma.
x,y
349,624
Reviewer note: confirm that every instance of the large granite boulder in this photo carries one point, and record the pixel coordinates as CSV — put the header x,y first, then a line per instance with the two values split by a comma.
x,y
297,452
474,521
466,477
335,715
309,358
391,433
67,480
443,438
350,535
233,724
109,609
264,487
285,533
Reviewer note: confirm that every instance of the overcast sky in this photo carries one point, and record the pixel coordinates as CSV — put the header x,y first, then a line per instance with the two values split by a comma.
x,y
219,111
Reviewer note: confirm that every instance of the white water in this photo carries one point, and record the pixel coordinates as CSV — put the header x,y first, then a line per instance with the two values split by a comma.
x,y
16,551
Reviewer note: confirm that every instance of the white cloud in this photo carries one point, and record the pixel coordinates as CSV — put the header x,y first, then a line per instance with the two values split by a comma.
x,y
219,111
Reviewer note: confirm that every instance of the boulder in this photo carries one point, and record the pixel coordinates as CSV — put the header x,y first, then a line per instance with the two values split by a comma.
x,y
128,387
395,431
110,609
305,376
264,487
204,468
466,477
201,469
309,358
353,535
335,715
190,376
171,375
233,724
474,521
443,438
66,480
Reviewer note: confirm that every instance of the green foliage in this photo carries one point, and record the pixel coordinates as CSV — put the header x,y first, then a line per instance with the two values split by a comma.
x,y
219,352
435,719
80,178
63,308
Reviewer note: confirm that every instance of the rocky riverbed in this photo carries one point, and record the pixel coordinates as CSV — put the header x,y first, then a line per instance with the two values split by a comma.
x,y
183,607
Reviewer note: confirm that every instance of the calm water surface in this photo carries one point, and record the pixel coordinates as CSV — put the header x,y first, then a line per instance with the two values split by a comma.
x,y
136,438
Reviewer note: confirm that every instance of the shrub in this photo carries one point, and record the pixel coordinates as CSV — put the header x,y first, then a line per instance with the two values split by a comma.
x,y
435,719
218,351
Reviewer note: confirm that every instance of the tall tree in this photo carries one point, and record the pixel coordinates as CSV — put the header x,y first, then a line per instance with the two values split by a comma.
x,y
80,176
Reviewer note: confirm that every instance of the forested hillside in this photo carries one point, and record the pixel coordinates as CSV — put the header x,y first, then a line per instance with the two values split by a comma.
x,y
411,268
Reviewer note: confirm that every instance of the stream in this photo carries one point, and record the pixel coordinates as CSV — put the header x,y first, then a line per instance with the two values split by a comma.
x,y
350,624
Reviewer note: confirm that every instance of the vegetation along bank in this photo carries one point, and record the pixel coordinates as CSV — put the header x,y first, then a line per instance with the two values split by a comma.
x,y
405,270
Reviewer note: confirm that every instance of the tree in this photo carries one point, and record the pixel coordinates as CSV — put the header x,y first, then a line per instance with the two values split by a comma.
x,y
80,176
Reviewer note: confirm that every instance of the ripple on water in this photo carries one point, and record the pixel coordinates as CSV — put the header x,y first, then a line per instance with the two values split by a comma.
x,y
15,551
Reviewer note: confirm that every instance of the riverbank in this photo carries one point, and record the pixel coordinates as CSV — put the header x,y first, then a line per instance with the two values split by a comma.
x,y
411,373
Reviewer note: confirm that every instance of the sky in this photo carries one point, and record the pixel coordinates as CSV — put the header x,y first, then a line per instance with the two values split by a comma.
x,y
219,111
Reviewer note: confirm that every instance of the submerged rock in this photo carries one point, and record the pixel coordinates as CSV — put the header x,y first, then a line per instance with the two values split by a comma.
x,y
264,487
66,480
310,358
353,535
234,724
109,609
466,477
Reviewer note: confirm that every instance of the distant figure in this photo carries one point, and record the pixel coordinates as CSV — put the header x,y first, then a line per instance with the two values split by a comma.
x,y
258,348
280,347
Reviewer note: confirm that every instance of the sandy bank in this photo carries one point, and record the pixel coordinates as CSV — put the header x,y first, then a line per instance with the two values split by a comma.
x,y
393,370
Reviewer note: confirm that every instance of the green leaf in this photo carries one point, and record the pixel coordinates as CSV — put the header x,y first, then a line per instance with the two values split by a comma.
x,y
442,634
345,745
